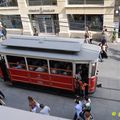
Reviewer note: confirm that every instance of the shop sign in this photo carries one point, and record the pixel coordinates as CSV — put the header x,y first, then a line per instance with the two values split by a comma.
x,y
41,10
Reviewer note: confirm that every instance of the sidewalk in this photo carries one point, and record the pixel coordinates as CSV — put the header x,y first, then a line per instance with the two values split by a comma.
x,y
118,40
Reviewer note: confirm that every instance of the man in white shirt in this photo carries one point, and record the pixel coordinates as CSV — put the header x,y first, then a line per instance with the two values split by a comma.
x,y
44,109
78,110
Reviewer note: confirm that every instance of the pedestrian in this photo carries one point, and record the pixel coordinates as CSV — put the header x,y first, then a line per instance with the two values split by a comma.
x,y
78,84
86,35
2,95
78,109
35,32
33,104
100,56
4,31
1,34
45,109
87,104
90,38
87,115
114,35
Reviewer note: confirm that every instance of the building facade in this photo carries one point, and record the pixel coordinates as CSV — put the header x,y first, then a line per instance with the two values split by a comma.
x,y
62,17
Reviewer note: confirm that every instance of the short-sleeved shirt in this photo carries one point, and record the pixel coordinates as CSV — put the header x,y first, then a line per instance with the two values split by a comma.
x,y
45,110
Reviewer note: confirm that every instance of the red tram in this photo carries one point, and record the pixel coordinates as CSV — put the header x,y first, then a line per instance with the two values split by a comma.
x,y
48,61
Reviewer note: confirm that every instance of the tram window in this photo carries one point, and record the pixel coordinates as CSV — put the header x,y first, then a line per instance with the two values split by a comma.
x,y
93,69
16,62
59,67
38,65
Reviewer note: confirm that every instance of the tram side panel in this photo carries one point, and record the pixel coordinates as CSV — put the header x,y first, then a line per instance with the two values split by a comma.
x,y
92,84
62,82
93,77
44,79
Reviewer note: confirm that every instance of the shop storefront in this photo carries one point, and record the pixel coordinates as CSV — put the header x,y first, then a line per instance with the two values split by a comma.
x,y
45,23
79,22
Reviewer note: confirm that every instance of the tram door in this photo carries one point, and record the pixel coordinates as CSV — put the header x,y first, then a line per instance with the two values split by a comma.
x,y
4,70
83,70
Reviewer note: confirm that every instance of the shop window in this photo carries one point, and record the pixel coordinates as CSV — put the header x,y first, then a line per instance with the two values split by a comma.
x,y
61,68
94,1
11,21
78,22
8,3
41,2
77,2
16,62
94,22
37,65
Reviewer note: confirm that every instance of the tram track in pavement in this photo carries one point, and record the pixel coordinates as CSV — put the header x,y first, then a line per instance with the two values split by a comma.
x,y
108,99
61,93
115,89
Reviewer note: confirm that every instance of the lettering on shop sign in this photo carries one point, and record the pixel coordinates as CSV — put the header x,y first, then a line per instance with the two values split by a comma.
x,y
42,10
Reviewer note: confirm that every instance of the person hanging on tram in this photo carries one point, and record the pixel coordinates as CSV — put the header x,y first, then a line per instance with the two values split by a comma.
x,y
80,86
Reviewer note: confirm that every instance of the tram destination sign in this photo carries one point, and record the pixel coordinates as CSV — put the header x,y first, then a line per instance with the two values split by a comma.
x,y
41,10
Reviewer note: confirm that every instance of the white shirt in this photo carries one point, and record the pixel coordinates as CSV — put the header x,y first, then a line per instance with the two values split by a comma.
x,y
78,108
40,69
36,108
45,110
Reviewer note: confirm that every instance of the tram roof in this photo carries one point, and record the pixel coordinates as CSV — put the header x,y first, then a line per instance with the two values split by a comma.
x,y
48,43
87,52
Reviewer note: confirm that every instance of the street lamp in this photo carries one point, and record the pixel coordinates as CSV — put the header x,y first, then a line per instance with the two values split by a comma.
x,y
118,13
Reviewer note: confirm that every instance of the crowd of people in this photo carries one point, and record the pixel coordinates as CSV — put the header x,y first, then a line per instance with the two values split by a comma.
x,y
82,108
